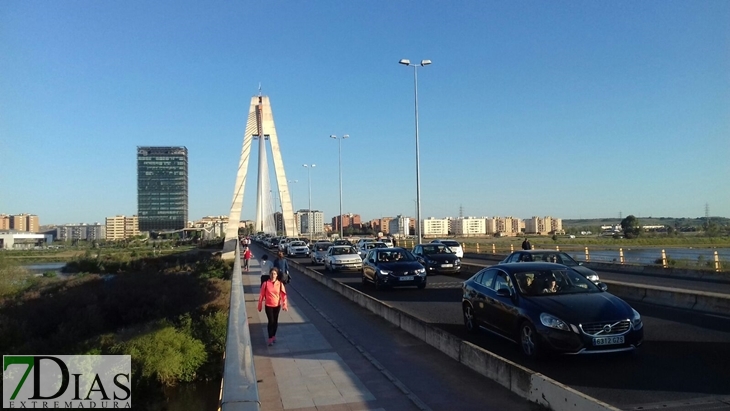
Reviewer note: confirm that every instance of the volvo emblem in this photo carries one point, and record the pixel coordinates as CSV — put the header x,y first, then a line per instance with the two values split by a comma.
x,y
607,328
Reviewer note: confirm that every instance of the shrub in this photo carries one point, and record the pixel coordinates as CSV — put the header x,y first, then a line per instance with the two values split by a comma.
x,y
167,355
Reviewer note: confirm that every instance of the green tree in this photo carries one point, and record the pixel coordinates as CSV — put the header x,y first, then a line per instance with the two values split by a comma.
x,y
631,227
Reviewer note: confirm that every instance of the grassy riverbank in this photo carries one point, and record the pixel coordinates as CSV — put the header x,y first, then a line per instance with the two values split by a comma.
x,y
168,312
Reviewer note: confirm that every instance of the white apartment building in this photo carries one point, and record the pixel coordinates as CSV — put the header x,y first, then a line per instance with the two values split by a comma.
x,y
544,225
86,232
436,226
120,227
212,226
399,227
468,226
302,218
509,226
490,225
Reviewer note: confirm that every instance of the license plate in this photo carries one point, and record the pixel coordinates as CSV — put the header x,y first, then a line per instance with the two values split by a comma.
x,y
447,265
407,278
608,340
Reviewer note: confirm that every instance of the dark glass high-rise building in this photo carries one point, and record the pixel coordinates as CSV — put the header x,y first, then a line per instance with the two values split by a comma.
x,y
162,188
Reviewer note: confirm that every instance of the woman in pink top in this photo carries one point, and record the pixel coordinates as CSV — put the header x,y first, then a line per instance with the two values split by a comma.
x,y
274,294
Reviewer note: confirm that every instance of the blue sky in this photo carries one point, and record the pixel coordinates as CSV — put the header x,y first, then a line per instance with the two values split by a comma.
x,y
569,109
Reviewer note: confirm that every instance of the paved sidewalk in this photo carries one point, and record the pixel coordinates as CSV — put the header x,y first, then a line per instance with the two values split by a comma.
x,y
305,369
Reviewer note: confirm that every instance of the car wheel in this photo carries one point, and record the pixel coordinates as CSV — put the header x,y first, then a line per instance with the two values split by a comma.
x,y
364,280
529,340
469,321
376,281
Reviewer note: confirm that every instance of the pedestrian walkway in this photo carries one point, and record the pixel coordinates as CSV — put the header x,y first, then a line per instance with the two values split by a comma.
x,y
306,369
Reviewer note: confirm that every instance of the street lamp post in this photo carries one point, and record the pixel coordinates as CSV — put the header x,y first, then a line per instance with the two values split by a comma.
x,y
339,139
309,168
423,63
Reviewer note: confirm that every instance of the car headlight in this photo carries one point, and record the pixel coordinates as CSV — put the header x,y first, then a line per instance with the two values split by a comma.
x,y
553,322
457,262
636,320
384,272
593,277
421,271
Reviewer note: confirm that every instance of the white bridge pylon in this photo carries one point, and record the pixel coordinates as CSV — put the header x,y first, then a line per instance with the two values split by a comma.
x,y
260,126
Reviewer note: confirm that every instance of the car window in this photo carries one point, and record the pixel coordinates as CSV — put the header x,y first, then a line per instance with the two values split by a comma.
x,y
525,257
451,243
553,282
502,280
487,277
567,260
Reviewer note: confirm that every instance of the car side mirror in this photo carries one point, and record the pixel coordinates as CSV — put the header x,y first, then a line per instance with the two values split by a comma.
x,y
603,286
504,292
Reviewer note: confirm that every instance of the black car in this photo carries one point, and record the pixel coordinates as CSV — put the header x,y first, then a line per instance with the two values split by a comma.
x,y
548,307
392,267
437,258
552,256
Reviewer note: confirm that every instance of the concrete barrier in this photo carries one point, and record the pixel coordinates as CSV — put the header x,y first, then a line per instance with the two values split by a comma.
x,y
522,381
700,301
239,388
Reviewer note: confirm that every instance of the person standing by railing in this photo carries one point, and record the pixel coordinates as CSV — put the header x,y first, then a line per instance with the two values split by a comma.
x,y
273,295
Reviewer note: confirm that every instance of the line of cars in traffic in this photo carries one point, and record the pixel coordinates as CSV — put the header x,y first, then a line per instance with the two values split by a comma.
x,y
543,300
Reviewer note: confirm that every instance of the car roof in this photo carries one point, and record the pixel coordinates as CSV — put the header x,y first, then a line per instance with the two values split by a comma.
x,y
529,266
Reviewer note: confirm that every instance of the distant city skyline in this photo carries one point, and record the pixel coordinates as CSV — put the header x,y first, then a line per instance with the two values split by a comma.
x,y
572,110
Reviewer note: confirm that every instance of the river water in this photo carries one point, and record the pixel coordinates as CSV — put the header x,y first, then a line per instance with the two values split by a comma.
x,y
649,256
40,268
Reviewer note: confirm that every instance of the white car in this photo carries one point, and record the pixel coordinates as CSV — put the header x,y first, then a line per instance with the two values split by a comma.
x,y
319,252
369,246
342,257
297,249
387,242
453,245
283,244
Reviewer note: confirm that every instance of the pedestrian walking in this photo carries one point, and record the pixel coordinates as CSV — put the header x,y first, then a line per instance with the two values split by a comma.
x,y
283,267
246,257
526,244
266,266
273,296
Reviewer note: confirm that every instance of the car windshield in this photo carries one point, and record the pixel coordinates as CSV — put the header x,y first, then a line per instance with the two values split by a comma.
x,y
553,282
436,249
392,256
343,251
323,246
554,257
342,242
451,243
297,244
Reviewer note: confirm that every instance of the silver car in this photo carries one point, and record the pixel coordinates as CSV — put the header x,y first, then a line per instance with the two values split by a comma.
x,y
342,257
319,252
297,249
369,246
